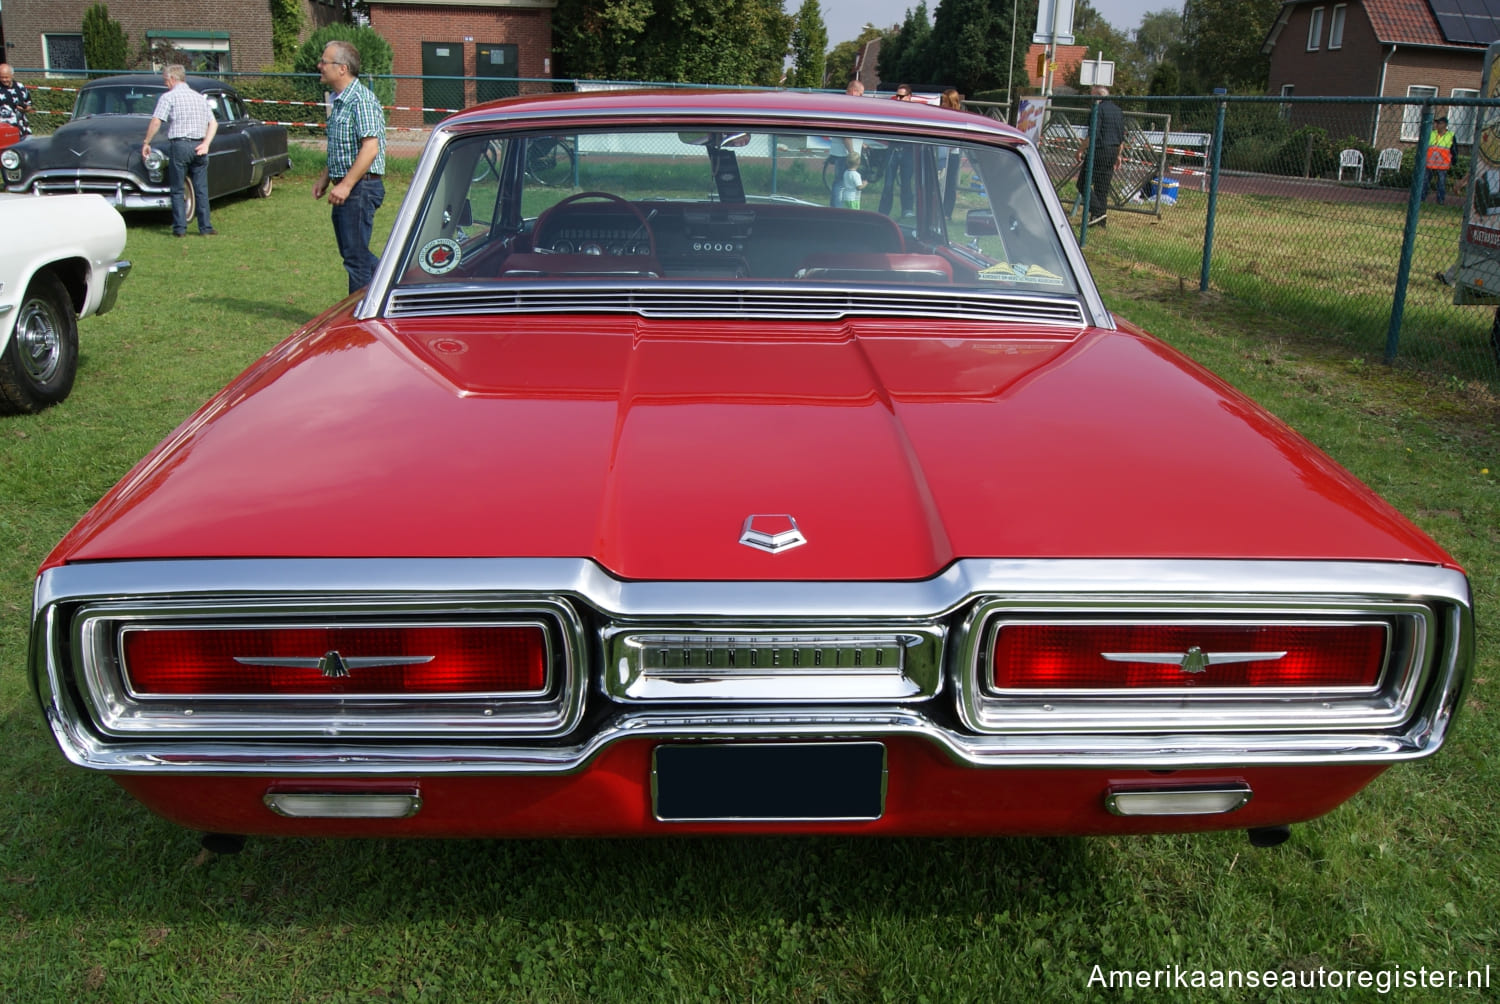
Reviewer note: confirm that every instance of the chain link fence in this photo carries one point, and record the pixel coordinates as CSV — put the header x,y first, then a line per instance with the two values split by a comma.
x,y
1310,209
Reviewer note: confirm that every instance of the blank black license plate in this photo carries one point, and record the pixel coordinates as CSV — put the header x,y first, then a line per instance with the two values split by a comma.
x,y
784,781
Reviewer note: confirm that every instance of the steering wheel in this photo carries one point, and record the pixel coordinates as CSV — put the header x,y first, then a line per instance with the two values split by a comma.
x,y
540,230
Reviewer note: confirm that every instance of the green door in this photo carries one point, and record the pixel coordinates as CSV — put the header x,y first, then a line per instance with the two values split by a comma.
x,y
442,79
495,66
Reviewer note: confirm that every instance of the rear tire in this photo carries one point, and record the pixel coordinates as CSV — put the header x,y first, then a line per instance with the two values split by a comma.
x,y
40,360
263,190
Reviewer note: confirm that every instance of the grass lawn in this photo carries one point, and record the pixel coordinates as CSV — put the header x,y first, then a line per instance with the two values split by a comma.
x,y
101,901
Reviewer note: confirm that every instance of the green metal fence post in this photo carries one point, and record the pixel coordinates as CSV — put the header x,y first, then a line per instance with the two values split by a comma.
x,y
1409,237
1213,197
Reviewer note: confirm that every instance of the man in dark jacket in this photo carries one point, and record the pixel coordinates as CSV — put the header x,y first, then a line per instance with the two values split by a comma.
x,y
1111,126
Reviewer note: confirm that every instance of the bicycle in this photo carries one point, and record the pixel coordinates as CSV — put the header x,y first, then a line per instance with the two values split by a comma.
x,y
551,161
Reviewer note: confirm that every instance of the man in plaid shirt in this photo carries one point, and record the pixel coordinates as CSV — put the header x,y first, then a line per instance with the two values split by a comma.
x,y
356,160
190,131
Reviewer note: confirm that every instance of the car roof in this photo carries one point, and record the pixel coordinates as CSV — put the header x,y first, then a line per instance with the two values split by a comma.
x,y
154,80
837,110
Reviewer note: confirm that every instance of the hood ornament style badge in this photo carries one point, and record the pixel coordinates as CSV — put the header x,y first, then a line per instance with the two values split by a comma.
x,y
771,533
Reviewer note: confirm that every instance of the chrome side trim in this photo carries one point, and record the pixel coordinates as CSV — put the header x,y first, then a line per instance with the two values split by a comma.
x,y
114,278
356,759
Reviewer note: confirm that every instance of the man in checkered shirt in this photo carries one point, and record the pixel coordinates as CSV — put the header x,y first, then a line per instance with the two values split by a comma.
x,y
190,131
356,160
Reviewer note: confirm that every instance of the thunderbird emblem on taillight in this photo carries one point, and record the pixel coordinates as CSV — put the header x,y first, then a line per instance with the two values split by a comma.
x,y
1194,660
771,533
333,666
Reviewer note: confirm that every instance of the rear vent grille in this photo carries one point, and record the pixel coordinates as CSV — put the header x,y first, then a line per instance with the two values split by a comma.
x,y
688,301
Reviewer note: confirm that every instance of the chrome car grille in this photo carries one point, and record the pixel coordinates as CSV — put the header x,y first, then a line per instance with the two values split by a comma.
x,y
690,301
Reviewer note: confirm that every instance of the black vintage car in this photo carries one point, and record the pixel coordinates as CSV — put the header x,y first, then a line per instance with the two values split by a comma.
x,y
99,149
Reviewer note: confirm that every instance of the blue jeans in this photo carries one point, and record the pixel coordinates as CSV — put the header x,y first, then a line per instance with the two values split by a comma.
x,y
182,163
353,224
1438,180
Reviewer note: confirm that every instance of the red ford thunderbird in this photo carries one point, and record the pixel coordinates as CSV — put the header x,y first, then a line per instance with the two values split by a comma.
x,y
691,467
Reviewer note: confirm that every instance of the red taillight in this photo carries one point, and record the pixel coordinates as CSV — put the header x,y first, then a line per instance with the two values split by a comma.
x,y
343,661
1139,656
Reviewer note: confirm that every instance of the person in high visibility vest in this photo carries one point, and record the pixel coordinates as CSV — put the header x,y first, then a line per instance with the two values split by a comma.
x,y
1439,158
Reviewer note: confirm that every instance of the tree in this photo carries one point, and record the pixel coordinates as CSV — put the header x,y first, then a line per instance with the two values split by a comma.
x,y
1222,41
971,44
287,22
105,44
374,56
809,40
713,42
1159,35
1097,35
841,60
908,56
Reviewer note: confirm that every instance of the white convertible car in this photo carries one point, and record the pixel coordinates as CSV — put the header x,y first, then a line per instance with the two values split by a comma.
x,y
60,261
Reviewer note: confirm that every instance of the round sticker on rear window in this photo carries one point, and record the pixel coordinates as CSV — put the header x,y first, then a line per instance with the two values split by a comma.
x,y
439,256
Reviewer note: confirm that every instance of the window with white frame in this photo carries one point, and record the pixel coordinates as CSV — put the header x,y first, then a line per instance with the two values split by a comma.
x,y
199,51
1461,117
1336,26
1411,115
1287,90
1314,28
63,52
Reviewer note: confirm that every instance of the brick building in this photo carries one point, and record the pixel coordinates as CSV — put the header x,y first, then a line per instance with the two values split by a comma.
x,y
1377,48
494,44
215,35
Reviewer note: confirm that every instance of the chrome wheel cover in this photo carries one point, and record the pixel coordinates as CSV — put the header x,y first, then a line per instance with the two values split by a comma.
x,y
39,340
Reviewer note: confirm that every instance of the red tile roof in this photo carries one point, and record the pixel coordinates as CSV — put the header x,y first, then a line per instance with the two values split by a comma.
x,y
1408,22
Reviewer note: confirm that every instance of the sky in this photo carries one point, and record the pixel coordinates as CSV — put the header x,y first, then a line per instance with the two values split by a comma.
x,y
845,18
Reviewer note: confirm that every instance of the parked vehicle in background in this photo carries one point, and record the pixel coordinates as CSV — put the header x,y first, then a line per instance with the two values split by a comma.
x,y
668,499
99,148
9,134
59,262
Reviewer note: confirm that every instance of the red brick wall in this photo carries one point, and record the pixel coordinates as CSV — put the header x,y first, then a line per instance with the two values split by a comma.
x,y
248,24
407,26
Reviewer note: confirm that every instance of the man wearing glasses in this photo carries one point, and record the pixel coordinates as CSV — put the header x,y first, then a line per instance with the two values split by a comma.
x,y
356,160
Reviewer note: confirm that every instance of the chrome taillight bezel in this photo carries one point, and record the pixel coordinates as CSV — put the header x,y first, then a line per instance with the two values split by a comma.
x,y
1411,632
102,683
